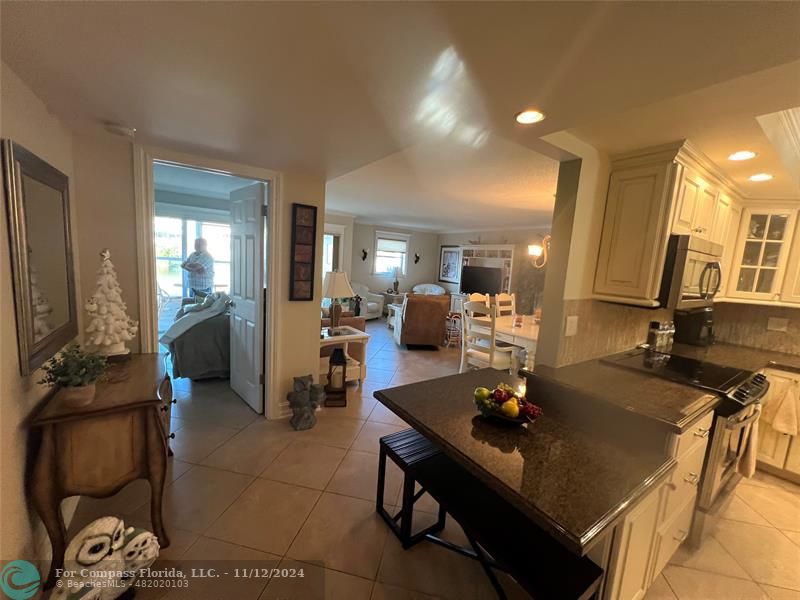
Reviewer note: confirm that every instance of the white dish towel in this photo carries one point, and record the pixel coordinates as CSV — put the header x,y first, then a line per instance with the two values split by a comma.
x,y
747,463
782,408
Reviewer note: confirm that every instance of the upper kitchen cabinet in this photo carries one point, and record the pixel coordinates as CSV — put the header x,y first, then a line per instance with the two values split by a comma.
x,y
651,194
696,207
637,213
759,267
791,285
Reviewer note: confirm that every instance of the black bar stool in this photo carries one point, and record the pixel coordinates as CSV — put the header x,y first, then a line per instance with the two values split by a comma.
x,y
408,450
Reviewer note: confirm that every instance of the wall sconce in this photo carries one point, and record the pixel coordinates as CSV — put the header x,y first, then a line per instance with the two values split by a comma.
x,y
416,258
539,252
363,255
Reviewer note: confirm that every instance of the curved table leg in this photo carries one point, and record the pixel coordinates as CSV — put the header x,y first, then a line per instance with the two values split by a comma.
x,y
47,501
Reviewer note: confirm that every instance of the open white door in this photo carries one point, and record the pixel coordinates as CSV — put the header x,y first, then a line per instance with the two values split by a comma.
x,y
248,221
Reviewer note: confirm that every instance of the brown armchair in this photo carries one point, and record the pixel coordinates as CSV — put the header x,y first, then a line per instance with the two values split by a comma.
x,y
423,320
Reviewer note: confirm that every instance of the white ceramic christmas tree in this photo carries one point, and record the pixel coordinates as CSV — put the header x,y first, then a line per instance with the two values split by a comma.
x,y
109,325
41,308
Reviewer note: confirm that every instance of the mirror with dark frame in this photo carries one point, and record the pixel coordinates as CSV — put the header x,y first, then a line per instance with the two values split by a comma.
x,y
37,204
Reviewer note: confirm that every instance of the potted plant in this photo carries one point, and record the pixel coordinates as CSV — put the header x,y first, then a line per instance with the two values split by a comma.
x,y
74,372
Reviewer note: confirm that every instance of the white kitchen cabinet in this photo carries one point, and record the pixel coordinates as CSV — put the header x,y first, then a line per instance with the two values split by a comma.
x,y
734,210
762,252
633,243
791,283
655,528
772,446
696,209
633,558
651,194
792,463
686,203
778,450
722,218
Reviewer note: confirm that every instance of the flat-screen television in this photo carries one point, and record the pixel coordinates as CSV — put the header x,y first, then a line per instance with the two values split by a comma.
x,y
481,280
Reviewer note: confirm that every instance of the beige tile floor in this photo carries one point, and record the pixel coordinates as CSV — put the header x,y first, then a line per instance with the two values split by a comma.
x,y
245,489
753,551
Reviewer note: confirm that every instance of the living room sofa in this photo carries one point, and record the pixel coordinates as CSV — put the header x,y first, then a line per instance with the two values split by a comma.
x,y
422,321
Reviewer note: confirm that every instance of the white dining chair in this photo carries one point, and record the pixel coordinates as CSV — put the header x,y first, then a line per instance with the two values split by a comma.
x,y
506,304
479,346
483,299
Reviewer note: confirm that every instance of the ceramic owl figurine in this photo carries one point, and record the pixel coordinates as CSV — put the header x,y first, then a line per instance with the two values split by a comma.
x,y
103,551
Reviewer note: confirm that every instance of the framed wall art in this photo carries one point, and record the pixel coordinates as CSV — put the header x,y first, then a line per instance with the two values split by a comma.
x,y
304,241
450,264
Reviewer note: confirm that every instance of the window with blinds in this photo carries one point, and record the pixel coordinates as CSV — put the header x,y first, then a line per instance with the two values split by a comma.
x,y
391,252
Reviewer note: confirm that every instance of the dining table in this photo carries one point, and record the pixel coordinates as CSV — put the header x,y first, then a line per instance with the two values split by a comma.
x,y
525,334
575,472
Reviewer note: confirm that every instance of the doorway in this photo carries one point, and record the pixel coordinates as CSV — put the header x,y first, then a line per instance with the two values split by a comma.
x,y
211,270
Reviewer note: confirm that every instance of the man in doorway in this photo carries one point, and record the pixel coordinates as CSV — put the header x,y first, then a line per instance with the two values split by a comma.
x,y
200,266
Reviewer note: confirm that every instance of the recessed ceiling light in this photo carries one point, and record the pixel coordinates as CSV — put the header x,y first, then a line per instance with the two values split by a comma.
x,y
526,117
760,177
742,155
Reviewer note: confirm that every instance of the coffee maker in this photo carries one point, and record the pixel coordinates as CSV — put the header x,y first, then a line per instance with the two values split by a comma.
x,y
695,326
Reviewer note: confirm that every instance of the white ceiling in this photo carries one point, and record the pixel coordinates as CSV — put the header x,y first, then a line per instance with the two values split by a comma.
x,y
720,120
446,186
330,87
183,180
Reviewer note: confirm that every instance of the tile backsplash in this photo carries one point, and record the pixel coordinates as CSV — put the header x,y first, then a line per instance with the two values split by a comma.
x,y
746,325
605,328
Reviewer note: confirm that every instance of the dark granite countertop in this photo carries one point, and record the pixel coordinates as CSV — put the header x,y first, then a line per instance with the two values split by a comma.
x,y
575,471
742,357
676,406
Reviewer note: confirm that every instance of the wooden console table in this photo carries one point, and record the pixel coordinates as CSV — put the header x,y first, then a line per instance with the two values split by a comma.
x,y
98,449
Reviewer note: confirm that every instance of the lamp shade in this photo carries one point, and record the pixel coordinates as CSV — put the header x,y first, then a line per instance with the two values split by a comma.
x,y
337,285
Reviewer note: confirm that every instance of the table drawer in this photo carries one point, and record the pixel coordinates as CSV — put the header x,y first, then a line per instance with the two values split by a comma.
x,y
504,337
672,535
684,480
697,434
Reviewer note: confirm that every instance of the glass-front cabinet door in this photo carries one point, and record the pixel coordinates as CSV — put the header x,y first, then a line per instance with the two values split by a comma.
x,y
762,252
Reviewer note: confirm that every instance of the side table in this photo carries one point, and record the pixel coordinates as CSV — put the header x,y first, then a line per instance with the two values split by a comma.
x,y
97,449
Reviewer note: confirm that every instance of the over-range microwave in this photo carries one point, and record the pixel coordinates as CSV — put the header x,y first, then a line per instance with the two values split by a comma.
x,y
692,273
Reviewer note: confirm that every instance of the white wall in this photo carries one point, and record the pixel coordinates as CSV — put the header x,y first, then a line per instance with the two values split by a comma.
x,y
424,244
590,206
526,281
298,323
26,120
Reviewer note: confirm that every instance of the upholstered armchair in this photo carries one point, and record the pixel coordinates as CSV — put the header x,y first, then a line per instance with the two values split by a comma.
x,y
423,320
371,304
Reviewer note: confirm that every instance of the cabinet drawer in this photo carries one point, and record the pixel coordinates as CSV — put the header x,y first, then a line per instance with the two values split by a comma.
x,y
684,481
503,337
697,434
672,535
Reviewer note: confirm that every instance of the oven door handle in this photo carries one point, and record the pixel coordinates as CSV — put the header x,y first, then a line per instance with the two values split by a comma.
x,y
744,422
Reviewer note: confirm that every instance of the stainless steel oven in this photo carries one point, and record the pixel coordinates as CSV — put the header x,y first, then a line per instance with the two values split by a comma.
x,y
692,273
729,439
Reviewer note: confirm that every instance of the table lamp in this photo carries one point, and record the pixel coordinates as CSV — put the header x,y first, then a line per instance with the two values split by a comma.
x,y
336,286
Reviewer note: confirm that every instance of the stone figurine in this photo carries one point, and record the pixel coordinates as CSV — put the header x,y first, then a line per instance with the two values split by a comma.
x,y
304,401
104,559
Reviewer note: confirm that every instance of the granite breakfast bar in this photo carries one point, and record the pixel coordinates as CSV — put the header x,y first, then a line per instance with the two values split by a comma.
x,y
575,472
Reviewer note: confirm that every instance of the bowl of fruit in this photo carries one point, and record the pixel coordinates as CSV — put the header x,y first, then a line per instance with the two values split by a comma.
x,y
504,404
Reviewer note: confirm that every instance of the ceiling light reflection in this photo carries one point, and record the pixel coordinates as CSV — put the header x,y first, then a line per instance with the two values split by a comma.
x,y
449,98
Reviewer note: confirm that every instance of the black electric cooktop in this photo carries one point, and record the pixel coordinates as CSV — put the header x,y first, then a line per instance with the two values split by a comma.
x,y
688,371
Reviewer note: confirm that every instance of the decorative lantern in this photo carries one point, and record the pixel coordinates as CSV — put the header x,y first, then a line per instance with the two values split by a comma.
x,y
336,389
